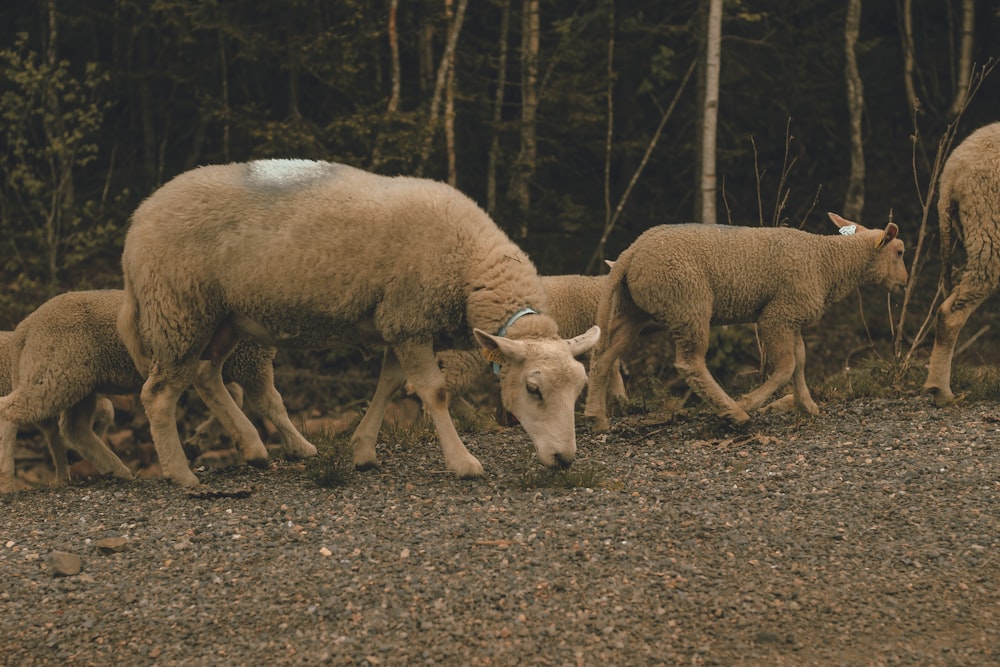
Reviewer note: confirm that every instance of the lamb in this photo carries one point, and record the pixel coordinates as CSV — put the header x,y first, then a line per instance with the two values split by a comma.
x,y
310,254
102,418
969,199
68,351
689,277
573,301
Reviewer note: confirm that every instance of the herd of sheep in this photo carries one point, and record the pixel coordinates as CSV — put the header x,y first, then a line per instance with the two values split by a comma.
x,y
223,264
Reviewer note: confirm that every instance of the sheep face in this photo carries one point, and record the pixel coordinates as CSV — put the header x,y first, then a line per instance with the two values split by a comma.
x,y
540,381
889,269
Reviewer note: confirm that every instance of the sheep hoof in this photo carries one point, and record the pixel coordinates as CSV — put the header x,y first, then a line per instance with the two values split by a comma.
x,y
184,478
736,416
469,468
942,395
304,451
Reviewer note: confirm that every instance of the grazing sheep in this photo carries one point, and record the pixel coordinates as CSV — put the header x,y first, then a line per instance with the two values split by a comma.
x,y
573,301
689,277
101,418
969,200
311,254
68,350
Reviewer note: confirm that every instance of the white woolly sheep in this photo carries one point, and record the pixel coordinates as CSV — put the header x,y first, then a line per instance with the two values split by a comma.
x,y
68,350
689,277
969,208
102,418
573,301
313,254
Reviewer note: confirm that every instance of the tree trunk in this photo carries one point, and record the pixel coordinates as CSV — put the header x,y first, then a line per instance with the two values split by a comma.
x,y
396,84
447,61
609,132
524,168
491,171
61,162
964,56
854,201
449,113
909,57
705,203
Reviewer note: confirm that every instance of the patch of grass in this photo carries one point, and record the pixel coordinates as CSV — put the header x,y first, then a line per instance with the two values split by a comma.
x,y
871,378
588,477
333,465
420,432
976,383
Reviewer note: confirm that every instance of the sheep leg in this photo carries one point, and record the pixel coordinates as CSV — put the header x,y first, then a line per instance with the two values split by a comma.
x,y
76,426
211,430
690,351
779,344
952,316
208,382
265,399
622,334
160,394
800,397
57,449
390,379
420,368
8,441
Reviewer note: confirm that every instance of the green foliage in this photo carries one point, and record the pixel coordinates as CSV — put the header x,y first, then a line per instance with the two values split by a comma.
x,y
873,377
586,476
332,466
976,383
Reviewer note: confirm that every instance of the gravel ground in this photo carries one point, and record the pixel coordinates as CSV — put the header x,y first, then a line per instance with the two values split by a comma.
x,y
867,536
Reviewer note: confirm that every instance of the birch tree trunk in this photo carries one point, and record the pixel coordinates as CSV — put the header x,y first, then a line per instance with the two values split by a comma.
x,y
854,201
909,57
447,61
395,85
705,203
524,168
494,156
964,56
449,113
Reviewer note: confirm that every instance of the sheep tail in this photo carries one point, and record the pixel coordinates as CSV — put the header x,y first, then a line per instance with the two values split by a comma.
x,y
128,329
947,211
610,299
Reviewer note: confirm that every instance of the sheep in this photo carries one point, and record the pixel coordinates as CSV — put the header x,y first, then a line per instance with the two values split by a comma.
x,y
310,254
68,350
689,277
101,419
969,204
573,301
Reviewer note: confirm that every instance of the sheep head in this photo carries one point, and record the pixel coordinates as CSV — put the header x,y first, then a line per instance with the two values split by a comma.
x,y
540,380
888,269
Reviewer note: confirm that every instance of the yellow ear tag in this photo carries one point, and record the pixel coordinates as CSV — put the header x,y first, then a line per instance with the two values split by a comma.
x,y
494,356
881,240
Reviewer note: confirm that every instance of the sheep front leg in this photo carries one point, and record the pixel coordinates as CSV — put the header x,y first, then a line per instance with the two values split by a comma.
x,y
264,397
420,368
779,345
952,316
211,388
390,379
160,394
800,397
8,442
691,346
76,425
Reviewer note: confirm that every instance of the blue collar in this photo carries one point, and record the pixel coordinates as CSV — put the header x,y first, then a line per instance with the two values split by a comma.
x,y
527,310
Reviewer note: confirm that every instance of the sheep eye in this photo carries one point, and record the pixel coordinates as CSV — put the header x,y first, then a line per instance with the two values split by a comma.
x,y
533,389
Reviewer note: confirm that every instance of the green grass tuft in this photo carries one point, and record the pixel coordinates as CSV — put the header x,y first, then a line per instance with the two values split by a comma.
x,y
333,465
588,477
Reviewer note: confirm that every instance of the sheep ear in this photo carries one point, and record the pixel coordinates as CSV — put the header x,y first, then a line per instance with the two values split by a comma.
x,y
890,232
846,224
498,347
610,263
584,341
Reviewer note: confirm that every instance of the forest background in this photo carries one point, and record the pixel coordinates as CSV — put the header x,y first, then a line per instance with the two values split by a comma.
x,y
576,125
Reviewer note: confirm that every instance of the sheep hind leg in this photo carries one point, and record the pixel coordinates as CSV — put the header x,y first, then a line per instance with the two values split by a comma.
x,y
390,379
952,316
8,442
420,367
160,394
690,363
76,426
213,391
210,430
800,397
622,334
57,449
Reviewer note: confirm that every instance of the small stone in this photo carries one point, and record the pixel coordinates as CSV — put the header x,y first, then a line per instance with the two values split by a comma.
x,y
111,545
64,564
